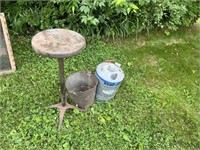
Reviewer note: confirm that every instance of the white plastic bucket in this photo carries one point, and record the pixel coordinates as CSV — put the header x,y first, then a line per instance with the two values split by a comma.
x,y
110,77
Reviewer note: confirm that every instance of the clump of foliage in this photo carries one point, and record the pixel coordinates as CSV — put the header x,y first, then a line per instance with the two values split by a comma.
x,y
101,18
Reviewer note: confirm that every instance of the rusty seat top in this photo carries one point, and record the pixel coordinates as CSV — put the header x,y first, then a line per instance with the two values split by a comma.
x,y
58,43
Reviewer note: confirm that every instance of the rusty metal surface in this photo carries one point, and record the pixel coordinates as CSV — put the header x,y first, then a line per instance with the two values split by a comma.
x,y
63,110
81,87
58,43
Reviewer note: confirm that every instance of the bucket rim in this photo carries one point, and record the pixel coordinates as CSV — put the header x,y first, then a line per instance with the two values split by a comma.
x,y
79,72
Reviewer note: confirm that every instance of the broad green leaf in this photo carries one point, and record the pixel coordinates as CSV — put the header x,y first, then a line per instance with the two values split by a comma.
x,y
101,4
84,19
129,64
133,6
95,21
37,119
56,21
128,10
92,110
141,146
73,9
125,137
167,32
85,9
164,103
13,132
108,118
66,146
102,120
76,111
118,2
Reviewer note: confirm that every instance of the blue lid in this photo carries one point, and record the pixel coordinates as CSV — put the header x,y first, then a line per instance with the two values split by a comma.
x,y
110,72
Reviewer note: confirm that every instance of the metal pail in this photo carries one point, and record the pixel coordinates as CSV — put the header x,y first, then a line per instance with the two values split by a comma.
x,y
81,87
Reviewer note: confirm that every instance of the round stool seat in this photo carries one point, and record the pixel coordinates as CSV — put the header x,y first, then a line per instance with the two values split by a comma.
x,y
58,43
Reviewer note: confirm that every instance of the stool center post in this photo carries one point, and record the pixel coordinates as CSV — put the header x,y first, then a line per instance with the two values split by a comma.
x,y
62,81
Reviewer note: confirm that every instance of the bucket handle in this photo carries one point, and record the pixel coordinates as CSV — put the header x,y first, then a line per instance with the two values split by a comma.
x,y
113,61
72,92
110,60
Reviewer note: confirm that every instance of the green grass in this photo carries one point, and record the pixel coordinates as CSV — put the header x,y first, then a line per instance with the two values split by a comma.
x,y
156,107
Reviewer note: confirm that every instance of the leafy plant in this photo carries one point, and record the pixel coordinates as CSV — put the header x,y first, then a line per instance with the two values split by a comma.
x,y
100,18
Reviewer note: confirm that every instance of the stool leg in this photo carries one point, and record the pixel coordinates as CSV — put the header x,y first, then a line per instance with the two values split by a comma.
x,y
62,81
63,105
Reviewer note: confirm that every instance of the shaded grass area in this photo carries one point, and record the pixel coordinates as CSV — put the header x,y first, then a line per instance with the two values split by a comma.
x,y
156,107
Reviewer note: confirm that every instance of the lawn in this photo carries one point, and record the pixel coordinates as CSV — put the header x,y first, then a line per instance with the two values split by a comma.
x,y
156,107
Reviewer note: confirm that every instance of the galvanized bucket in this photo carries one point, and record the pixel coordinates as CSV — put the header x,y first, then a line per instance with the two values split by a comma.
x,y
81,87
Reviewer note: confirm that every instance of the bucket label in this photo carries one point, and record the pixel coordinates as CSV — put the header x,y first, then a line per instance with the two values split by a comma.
x,y
105,93
108,92
111,84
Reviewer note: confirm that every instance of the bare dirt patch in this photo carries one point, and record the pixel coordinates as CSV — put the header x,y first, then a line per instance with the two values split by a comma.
x,y
151,60
141,43
175,41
